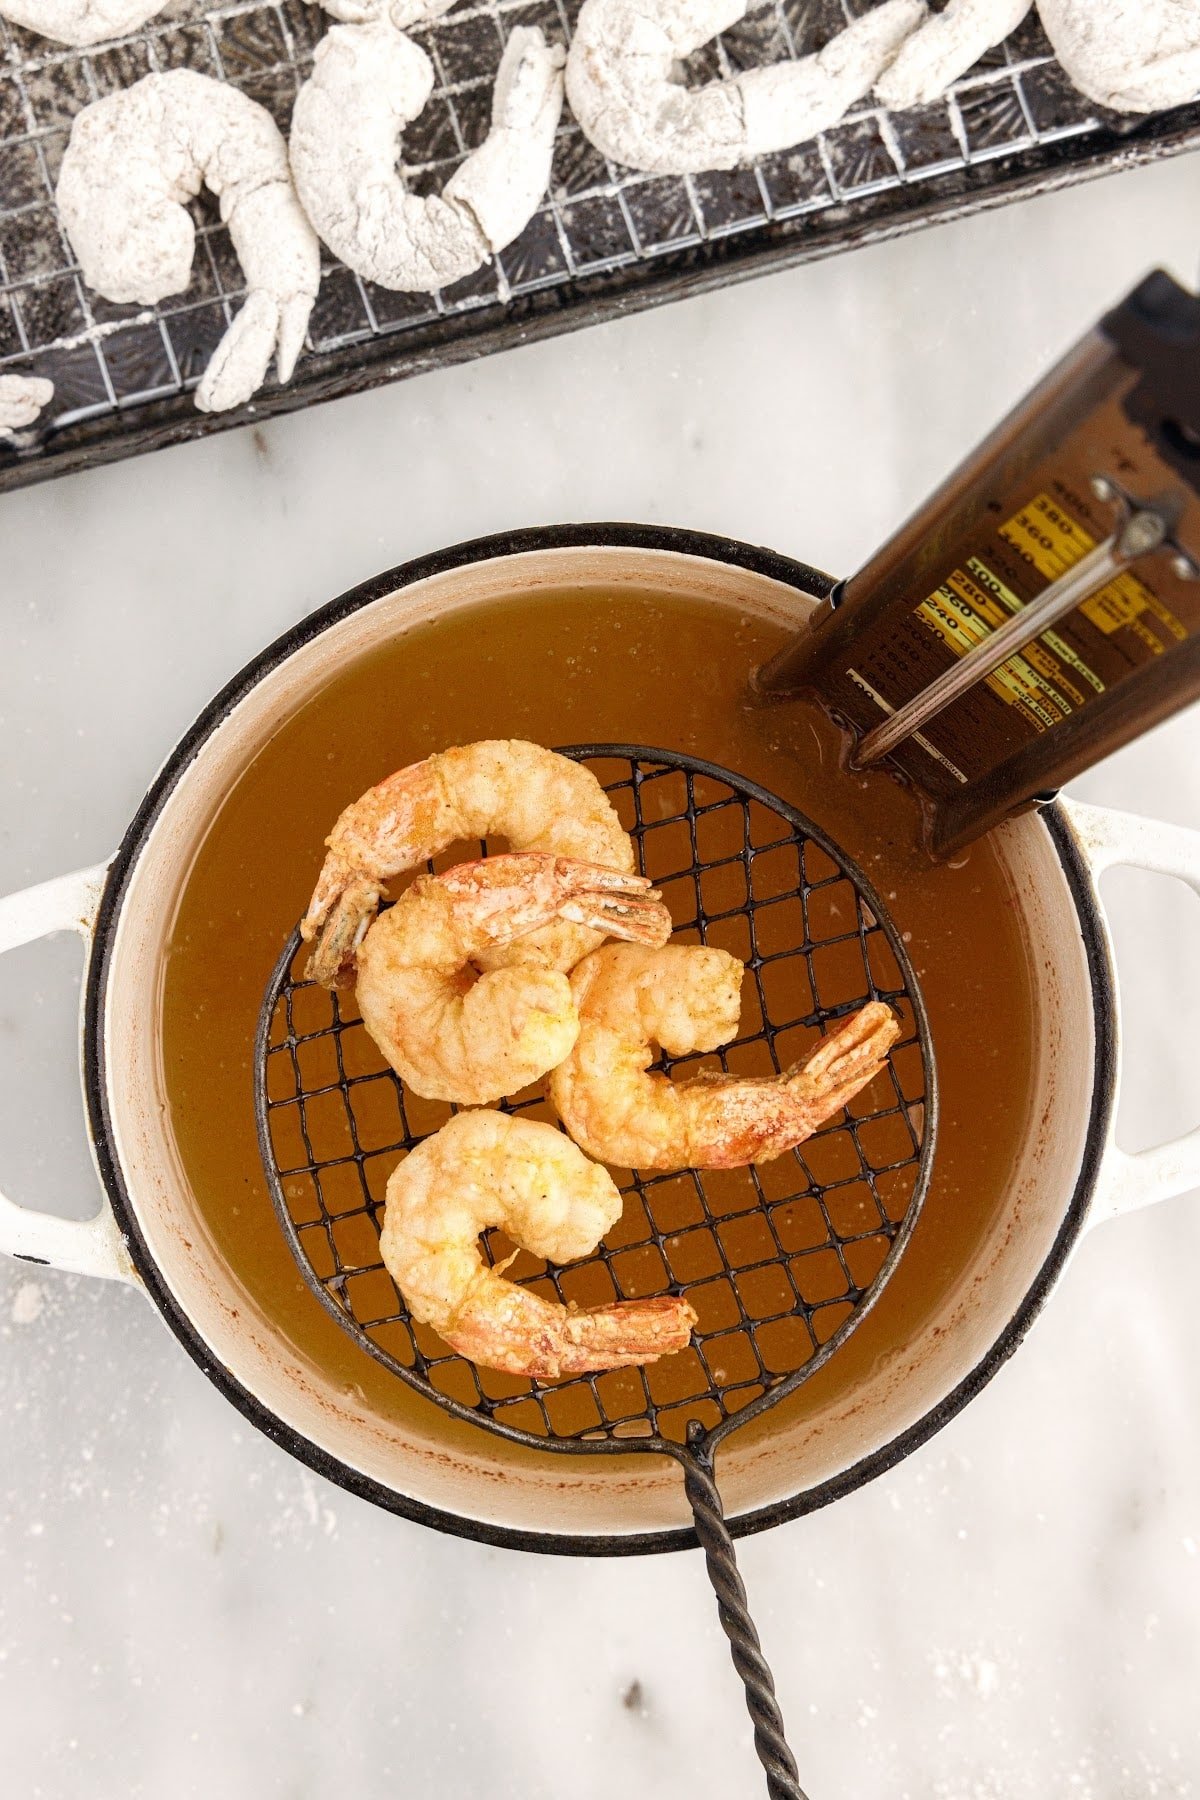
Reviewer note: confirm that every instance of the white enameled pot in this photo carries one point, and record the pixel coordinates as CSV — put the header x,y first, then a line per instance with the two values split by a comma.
x,y
1067,1174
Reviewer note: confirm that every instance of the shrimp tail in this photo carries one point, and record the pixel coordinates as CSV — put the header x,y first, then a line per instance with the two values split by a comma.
x,y
521,1334
944,47
753,1121
504,898
335,925
787,102
501,182
844,1062
238,365
761,1120
636,918
631,1332
392,827
22,398
293,323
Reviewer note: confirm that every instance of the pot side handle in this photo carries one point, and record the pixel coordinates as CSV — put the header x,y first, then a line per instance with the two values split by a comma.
x,y
80,1246
1108,839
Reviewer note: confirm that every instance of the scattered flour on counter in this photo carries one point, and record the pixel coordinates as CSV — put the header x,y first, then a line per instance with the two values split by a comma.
x,y
968,1671
300,1514
987,1786
28,1302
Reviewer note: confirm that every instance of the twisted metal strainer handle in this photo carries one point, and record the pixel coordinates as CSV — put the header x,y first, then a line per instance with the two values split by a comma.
x,y
783,1778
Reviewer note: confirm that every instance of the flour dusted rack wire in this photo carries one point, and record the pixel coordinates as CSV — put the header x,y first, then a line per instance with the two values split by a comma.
x,y
606,239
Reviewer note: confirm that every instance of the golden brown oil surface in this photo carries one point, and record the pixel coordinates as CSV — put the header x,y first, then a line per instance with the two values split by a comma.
x,y
586,665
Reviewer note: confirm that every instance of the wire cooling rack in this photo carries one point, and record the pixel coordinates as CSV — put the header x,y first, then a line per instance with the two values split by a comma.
x,y
607,239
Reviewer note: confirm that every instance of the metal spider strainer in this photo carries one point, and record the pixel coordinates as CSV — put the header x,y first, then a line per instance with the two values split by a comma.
x,y
780,1262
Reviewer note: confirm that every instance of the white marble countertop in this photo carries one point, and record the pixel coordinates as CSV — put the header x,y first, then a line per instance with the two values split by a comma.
x,y
184,1611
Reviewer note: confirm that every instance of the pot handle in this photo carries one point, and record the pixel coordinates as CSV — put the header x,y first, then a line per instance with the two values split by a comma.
x,y
80,1246
1108,839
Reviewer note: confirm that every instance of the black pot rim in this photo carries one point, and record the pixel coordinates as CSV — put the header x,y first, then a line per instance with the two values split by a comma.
x,y
791,573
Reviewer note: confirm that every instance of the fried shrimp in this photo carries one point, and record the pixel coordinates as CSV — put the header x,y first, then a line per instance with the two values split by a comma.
x,y
485,1169
624,87
369,81
135,159
454,1036
686,998
500,787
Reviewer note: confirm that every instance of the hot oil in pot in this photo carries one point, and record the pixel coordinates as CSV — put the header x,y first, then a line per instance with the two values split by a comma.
x,y
562,668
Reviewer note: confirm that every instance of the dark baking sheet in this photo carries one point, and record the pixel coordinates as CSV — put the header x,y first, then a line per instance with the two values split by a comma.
x,y
607,241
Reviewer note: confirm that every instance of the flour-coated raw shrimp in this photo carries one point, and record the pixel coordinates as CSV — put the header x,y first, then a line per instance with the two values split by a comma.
x,y
368,82
22,398
452,1036
1136,56
401,13
485,1169
624,89
945,47
80,21
502,787
687,999
133,161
